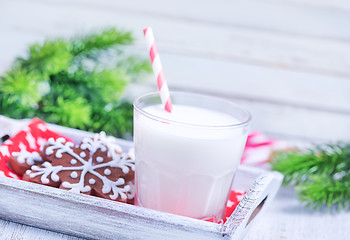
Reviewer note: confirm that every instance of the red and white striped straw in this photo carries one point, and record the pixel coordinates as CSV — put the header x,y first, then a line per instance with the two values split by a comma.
x,y
158,69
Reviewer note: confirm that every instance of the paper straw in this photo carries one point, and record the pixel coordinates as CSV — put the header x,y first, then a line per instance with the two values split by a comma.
x,y
158,69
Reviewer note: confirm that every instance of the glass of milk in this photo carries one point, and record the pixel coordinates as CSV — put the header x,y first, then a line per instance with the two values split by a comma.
x,y
186,159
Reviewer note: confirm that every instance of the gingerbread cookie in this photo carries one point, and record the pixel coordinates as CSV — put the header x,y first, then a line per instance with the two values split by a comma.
x,y
22,161
96,167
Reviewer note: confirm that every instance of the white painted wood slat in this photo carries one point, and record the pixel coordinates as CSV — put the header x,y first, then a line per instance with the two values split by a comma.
x,y
224,42
260,15
341,5
248,47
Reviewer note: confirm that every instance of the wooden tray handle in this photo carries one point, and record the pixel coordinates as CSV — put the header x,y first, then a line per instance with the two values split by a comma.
x,y
252,205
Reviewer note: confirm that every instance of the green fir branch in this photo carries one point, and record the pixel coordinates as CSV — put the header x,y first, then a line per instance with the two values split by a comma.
x,y
75,112
324,190
321,175
135,67
100,40
20,86
48,58
76,83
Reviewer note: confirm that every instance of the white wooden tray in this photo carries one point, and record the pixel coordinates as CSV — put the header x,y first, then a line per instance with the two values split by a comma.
x,y
96,218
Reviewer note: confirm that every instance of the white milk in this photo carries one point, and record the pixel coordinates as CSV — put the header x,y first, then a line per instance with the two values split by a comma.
x,y
182,168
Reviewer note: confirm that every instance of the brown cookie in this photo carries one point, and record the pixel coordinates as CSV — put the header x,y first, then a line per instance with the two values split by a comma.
x,y
96,167
21,161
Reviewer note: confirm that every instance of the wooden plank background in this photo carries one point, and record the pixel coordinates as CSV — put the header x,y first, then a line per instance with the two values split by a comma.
x,y
287,61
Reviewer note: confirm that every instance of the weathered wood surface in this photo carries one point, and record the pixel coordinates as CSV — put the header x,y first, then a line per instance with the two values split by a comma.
x,y
287,61
286,218
97,218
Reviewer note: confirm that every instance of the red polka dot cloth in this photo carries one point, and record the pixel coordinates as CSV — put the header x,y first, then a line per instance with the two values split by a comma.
x,y
31,138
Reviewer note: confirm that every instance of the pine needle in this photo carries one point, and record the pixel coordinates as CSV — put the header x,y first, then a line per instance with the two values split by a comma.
x,y
321,175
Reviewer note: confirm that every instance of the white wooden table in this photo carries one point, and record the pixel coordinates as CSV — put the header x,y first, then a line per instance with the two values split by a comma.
x,y
287,61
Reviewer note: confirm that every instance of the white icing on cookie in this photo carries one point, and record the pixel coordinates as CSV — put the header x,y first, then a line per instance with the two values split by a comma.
x,y
74,174
82,154
107,172
73,161
99,159
125,162
59,141
93,144
27,157
132,191
48,168
92,181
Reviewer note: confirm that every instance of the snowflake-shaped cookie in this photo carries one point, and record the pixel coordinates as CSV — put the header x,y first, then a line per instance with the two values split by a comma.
x,y
96,167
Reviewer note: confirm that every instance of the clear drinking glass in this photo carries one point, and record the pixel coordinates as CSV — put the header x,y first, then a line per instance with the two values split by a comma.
x,y
184,167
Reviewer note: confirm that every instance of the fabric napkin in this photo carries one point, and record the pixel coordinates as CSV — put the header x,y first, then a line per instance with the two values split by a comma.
x,y
31,138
